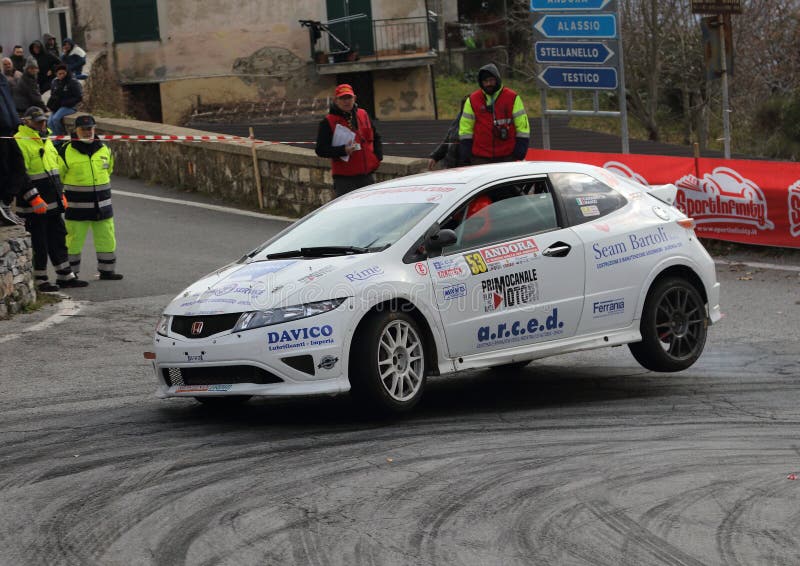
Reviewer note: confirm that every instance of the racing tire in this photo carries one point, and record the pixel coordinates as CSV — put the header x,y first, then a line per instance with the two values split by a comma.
x,y
673,327
387,363
226,402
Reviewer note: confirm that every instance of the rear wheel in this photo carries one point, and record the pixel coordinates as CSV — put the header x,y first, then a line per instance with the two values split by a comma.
x,y
673,327
387,362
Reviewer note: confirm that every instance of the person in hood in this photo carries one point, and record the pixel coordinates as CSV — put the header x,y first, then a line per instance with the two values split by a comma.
x,y
86,167
51,45
26,90
358,150
494,126
73,57
47,65
18,58
65,96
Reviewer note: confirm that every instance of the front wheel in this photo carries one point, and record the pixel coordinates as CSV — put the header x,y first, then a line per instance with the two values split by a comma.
x,y
673,327
387,362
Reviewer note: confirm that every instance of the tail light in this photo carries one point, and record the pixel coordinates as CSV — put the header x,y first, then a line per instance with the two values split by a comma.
x,y
687,223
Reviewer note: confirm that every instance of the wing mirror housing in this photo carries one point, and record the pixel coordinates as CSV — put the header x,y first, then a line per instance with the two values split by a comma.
x,y
436,241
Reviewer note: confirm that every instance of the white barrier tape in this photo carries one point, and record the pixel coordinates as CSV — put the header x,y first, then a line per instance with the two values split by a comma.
x,y
220,138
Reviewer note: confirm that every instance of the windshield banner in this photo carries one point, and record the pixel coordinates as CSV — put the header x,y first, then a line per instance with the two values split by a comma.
x,y
738,200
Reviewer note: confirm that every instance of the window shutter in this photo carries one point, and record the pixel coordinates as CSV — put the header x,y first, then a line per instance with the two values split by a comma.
x,y
135,20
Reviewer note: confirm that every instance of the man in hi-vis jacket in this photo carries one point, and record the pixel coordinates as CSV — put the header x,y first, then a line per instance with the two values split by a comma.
x,y
494,126
86,167
42,202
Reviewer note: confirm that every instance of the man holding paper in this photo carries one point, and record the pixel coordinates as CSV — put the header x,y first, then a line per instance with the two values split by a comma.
x,y
346,135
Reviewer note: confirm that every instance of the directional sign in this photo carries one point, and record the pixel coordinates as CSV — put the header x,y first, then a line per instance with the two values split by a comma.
x,y
590,78
572,52
584,25
567,5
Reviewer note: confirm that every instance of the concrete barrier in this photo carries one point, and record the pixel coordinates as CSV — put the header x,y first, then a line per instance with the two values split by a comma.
x,y
294,180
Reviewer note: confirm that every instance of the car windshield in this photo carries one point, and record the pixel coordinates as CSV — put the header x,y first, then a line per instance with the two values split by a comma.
x,y
342,228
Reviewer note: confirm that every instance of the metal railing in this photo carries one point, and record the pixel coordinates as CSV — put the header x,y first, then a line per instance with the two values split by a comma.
x,y
360,37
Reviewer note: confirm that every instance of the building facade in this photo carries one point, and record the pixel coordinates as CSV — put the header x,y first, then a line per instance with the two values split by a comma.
x,y
175,56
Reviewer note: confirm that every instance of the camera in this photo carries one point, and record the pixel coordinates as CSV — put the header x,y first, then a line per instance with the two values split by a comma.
x,y
501,132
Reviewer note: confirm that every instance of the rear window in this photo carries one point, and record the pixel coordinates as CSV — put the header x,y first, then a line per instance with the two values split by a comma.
x,y
584,197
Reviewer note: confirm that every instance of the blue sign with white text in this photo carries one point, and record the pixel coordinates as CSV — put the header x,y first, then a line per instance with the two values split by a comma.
x,y
572,52
603,78
565,5
592,26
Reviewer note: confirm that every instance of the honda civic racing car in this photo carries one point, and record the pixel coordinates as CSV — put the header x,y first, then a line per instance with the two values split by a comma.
x,y
427,275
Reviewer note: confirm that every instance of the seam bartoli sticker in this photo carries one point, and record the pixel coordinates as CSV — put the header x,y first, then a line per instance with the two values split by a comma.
x,y
501,255
511,289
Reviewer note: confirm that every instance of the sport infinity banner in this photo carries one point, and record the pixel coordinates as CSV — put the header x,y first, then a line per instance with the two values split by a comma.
x,y
738,200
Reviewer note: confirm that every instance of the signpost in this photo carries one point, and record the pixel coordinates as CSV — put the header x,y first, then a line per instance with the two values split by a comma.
x,y
587,78
567,5
580,53
579,50
592,26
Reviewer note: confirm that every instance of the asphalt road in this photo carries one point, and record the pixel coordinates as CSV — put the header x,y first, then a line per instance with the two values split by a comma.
x,y
578,459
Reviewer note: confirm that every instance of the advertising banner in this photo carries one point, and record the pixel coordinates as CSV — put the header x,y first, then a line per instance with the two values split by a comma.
x,y
738,200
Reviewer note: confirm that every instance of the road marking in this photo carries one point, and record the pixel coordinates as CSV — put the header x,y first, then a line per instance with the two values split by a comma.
x,y
66,308
759,265
213,207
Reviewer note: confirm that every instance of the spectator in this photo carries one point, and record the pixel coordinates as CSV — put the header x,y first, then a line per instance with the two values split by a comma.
x,y
65,96
43,203
86,167
353,162
51,45
12,75
494,127
448,150
18,58
26,91
47,65
73,57
12,168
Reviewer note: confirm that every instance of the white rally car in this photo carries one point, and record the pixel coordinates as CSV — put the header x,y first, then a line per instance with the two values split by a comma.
x,y
425,275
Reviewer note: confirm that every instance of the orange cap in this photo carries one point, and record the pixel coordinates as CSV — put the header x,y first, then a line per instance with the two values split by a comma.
x,y
344,90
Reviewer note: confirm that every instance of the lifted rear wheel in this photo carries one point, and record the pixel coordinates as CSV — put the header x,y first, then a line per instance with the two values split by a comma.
x,y
673,327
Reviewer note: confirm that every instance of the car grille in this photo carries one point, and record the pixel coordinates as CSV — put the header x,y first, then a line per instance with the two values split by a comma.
x,y
211,324
213,375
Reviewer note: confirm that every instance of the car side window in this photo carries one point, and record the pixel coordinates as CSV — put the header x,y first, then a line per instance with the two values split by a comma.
x,y
584,197
502,213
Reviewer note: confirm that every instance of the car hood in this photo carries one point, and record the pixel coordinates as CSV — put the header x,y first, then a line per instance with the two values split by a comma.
x,y
255,285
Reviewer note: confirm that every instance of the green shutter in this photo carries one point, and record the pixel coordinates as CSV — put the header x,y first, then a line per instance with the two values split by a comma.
x,y
135,20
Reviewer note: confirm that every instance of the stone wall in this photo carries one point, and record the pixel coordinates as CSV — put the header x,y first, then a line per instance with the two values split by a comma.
x,y
16,270
294,180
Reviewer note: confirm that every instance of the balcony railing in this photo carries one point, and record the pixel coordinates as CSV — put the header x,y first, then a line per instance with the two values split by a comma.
x,y
374,39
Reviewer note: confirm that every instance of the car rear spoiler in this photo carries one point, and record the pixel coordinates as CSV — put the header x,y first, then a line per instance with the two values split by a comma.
x,y
664,193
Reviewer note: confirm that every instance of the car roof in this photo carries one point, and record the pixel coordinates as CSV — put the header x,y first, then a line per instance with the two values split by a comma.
x,y
464,179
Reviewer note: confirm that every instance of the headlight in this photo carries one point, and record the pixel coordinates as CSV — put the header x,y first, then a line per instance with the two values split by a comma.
x,y
163,325
256,319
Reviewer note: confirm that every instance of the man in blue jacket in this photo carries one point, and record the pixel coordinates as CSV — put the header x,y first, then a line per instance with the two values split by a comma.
x,y
65,94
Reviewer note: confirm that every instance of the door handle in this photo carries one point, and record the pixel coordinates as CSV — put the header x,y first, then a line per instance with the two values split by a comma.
x,y
559,249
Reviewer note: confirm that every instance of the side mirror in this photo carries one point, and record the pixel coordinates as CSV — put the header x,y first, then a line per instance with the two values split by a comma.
x,y
440,239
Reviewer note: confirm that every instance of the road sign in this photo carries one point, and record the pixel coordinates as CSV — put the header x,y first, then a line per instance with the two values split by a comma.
x,y
592,26
572,52
567,5
601,78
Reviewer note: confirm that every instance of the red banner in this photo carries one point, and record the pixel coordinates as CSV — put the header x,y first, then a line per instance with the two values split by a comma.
x,y
746,201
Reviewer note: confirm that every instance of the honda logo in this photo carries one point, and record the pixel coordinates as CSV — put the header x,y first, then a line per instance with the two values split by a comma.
x,y
197,327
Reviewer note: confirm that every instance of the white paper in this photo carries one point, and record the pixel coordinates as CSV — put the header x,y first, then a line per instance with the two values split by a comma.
x,y
342,136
